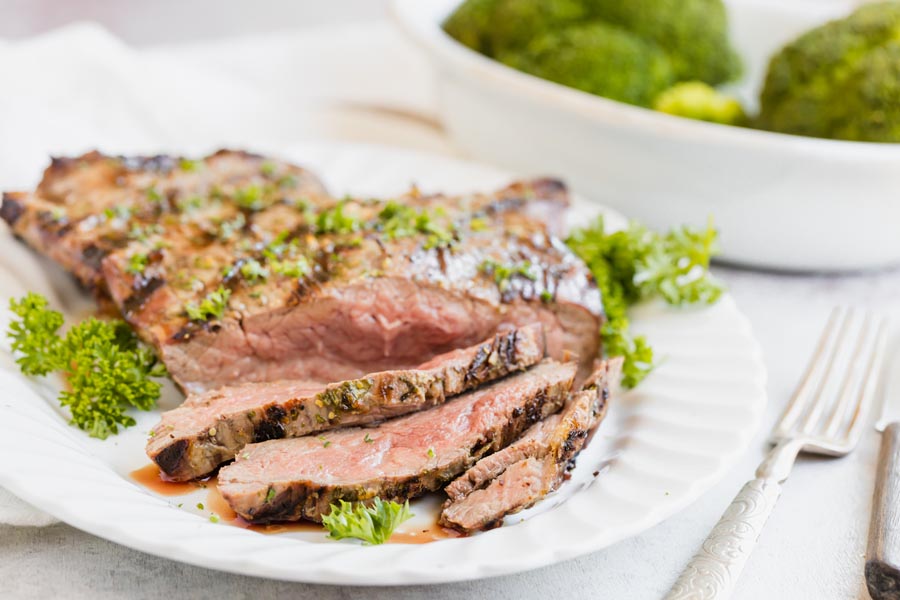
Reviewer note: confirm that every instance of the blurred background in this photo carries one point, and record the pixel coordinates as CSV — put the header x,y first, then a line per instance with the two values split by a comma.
x,y
141,23
161,21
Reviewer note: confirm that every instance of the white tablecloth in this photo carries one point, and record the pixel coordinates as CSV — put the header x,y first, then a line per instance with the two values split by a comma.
x,y
80,88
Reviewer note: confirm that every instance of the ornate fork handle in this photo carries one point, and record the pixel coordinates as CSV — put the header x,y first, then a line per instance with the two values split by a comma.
x,y
715,568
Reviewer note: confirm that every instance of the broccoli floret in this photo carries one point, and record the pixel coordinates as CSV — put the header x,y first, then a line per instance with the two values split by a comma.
x,y
697,100
694,33
492,27
840,80
598,58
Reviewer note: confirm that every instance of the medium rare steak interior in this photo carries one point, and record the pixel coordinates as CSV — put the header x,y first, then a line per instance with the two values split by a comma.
x,y
399,459
207,430
237,268
523,473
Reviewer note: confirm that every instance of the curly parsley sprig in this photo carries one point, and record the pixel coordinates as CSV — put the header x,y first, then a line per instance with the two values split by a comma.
x,y
372,524
106,368
636,264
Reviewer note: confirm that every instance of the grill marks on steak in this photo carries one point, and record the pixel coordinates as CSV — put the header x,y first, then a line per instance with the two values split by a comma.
x,y
371,301
159,235
209,429
88,207
520,475
399,459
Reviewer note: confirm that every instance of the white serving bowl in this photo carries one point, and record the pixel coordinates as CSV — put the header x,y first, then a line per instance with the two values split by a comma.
x,y
780,201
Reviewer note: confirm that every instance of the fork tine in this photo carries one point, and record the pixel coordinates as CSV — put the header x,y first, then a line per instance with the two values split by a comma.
x,y
850,388
869,382
802,396
820,396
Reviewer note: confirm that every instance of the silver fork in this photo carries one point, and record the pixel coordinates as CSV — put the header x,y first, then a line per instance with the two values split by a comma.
x,y
821,418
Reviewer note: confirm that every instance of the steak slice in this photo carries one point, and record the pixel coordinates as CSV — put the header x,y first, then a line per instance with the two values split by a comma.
x,y
399,459
373,296
523,473
207,430
89,206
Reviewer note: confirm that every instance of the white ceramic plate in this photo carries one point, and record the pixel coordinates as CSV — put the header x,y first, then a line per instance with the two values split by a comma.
x,y
781,201
660,448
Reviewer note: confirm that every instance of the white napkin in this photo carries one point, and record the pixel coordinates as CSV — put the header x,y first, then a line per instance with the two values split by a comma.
x,y
79,88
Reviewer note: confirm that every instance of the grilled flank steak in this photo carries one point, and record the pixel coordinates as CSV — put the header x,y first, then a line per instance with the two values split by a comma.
x,y
523,473
207,430
237,269
90,206
402,458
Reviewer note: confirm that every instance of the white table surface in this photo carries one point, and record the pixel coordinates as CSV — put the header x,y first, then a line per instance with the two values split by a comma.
x,y
812,547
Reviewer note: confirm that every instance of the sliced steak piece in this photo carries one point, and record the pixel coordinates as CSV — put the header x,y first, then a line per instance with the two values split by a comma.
x,y
89,206
207,430
400,459
369,300
523,473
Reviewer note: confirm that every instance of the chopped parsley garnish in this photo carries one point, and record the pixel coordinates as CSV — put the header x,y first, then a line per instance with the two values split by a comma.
x,y
214,518
287,181
503,274
270,495
188,165
252,271
431,453
371,524
325,441
142,232
296,268
478,224
200,505
398,220
635,264
211,307
230,228
153,195
106,368
137,263
333,220
119,212
189,204
250,197
368,439
267,168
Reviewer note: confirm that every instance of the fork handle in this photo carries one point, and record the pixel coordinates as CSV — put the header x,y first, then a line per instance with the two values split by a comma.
x,y
713,571
883,556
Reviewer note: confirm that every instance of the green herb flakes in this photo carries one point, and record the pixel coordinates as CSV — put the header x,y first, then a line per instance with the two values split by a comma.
x,y
296,268
252,271
211,307
137,263
333,220
189,166
503,274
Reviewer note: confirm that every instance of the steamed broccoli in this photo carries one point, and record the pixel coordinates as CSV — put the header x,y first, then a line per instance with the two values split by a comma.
x,y
697,100
492,27
627,50
694,33
598,58
840,80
